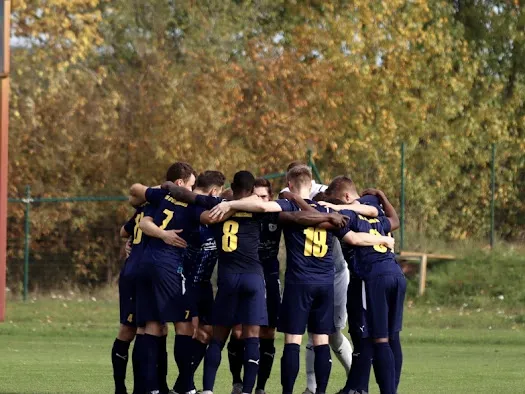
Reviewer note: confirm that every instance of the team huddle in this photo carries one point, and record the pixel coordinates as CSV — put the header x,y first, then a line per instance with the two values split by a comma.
x,y
340,265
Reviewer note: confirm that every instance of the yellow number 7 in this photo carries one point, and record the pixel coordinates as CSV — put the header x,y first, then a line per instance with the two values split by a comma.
x,y
169,216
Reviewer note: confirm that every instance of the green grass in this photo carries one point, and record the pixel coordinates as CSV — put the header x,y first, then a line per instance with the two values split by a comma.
x,y
62,345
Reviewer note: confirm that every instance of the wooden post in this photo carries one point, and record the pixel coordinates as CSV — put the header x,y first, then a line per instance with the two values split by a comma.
x,y
422,274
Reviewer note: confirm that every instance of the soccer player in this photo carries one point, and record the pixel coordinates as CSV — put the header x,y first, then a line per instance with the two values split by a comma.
x,y
268,252
199,262
308,298
357,381
161,298
127,289
338,341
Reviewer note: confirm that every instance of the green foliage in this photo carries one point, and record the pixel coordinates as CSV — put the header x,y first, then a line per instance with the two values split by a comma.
x,y
480,280
106,93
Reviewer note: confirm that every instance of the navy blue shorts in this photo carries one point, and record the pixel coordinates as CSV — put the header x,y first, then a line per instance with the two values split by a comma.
x,y
383,299
354,306
161,296
306,305
200,296
240,299
273,298
126,296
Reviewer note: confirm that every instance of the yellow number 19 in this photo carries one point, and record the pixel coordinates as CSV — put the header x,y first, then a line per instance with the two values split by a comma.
x,y
315,242
229,238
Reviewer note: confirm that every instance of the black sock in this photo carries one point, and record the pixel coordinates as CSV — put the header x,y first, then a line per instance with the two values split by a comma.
x,y
322,367
251,363
136,357
362,355
162,365
289,367
395,345
384,368
151,357
119,359
183,349
267,351
199,350
212,360
236,358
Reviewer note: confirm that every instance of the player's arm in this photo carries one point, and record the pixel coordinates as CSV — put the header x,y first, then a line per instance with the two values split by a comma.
x,y
137,194
301,203
366,239
314,218
206,217
389,209
244,205
123,233
148,227
362,209
180,193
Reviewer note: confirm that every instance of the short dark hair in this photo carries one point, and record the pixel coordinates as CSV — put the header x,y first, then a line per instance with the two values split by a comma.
x,y
300,175
339,184
263,182
179,170
323,196
208,179
294,164
243,182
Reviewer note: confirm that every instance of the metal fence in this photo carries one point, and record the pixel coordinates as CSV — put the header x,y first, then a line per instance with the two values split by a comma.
x,y
85,249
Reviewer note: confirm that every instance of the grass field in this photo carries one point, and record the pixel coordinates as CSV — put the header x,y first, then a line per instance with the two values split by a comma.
x,y
62,345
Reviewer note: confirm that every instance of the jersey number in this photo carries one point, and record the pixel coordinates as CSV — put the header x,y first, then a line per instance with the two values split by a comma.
x,y
315,243
169,216
378,248
137,232
229,238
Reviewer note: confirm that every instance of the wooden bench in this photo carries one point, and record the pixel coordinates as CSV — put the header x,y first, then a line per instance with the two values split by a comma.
x,y
423,258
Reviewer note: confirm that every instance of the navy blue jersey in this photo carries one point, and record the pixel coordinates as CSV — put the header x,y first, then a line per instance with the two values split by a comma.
x,y
173,215
308,250
139,239
348,250
371,261
269,245
201,257
238,243
208,202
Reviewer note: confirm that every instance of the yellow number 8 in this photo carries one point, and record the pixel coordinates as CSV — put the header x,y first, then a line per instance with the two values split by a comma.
x,y
378,248
229,239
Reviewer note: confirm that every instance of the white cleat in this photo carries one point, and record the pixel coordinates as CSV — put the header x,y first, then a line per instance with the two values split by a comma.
x,y
308,391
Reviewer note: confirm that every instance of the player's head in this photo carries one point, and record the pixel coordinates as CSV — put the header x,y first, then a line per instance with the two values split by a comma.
x,y
181,174
263,188
210,182
227,194
299,179
343,188
322,196
294,164
242,185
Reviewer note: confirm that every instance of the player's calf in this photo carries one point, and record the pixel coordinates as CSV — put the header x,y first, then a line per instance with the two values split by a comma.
x,y
267,354
323,361
384,366
120,355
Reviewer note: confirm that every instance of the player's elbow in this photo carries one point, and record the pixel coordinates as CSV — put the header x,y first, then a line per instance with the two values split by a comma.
x,y
394,223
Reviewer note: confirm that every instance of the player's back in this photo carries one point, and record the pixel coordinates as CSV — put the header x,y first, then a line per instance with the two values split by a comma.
x,y
270,240
201,257
308,251
173,215
371,261
238,241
